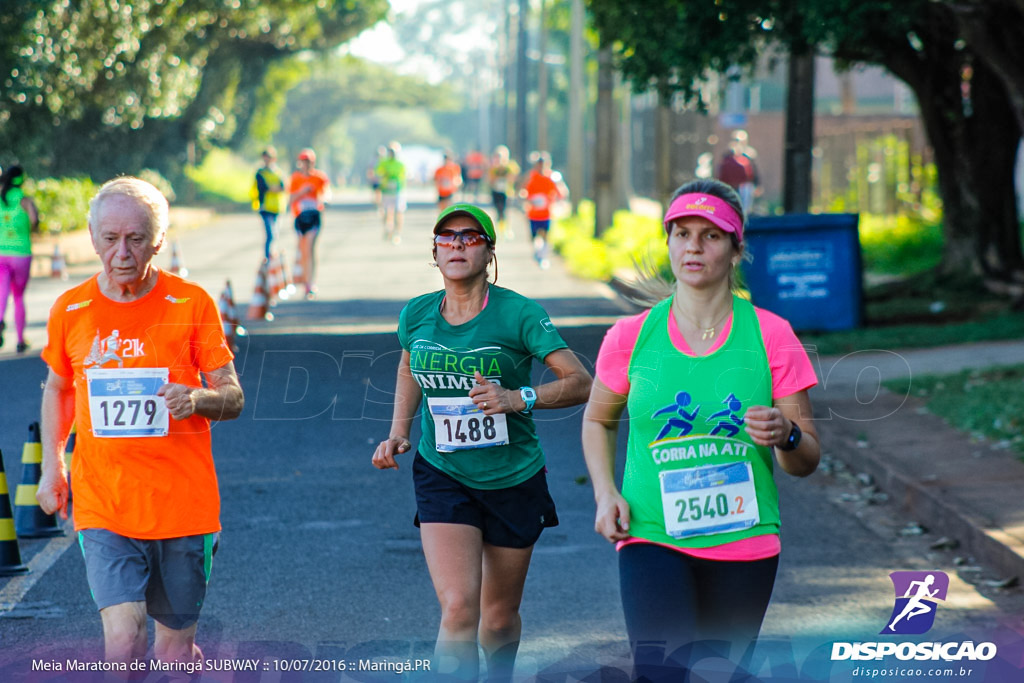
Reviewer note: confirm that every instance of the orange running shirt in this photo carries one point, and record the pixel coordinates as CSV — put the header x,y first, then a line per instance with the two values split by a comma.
x,y
541,193
308,190
448,178
140,487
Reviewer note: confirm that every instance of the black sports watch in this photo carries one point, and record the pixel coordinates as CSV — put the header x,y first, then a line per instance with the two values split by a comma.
x,y
793,440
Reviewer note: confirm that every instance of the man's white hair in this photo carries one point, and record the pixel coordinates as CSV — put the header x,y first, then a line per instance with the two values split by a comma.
x,y
144,192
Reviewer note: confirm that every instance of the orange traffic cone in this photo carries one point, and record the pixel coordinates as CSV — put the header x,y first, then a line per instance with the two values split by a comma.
x,y
280,277
258,305
10,555
275,280
289,286
298,277
177,261
227,315
58,267
29,519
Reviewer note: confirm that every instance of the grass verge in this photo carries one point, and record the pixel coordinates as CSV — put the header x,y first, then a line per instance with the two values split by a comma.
x,y
987,403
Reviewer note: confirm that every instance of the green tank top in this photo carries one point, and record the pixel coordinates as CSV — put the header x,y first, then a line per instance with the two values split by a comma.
x,y
15,226
694,478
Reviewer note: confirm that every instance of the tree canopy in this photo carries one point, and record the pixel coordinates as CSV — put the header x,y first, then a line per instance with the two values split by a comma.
x,y
338,87
160,72
960,57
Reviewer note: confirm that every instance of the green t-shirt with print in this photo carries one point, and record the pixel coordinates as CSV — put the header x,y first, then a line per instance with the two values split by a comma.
x,y
15,226
392,176
500,343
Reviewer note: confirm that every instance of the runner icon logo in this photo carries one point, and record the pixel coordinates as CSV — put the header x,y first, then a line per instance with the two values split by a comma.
x,y
917,594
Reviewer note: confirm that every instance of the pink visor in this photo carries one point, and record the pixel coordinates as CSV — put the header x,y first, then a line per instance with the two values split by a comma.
x,y
707,206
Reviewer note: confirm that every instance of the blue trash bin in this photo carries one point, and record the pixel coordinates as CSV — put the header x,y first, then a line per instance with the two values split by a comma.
x,y
807,268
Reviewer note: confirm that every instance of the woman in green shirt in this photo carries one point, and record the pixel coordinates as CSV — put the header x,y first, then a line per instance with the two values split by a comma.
x,y
18,220
481,494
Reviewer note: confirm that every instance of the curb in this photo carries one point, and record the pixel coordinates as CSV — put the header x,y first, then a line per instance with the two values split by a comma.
x,y
928,496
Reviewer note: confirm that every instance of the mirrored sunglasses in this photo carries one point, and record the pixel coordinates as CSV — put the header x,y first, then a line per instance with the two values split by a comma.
x,y
469,238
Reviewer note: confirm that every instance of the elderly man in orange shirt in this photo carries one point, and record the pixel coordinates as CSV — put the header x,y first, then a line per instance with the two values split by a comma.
x,y
138,361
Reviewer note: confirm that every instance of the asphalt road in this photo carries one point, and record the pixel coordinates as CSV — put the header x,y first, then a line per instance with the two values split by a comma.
x,y
319,557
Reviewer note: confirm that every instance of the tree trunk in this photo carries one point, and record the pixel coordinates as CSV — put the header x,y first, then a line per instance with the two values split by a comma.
x,y
992,30
974,135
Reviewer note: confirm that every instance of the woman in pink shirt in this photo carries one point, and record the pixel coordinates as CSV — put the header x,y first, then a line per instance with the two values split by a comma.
x,y
717,393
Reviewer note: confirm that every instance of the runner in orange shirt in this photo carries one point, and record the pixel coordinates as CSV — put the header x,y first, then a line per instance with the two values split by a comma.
x,y
448,179
476,168
540,192
128,353
307,186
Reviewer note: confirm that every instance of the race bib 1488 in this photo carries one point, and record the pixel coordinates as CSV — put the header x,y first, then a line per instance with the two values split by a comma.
x,y
460,425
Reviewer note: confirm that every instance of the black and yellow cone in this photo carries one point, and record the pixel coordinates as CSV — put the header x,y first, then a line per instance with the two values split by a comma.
x,y
10,555
29,519
69,449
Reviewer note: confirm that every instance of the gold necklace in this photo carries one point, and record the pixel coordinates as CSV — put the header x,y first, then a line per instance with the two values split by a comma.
x,y
706,332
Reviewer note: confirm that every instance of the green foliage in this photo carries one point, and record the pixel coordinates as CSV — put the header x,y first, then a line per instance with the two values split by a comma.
x,y
222,177
885,176
988,403
145,59
272,97
677,44
900,245
63,203
631,239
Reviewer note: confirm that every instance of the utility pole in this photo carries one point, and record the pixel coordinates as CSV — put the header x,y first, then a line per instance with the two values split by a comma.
x,y
605,144
796,193
542,82
624,156
663,147
576,91
506,81
521,87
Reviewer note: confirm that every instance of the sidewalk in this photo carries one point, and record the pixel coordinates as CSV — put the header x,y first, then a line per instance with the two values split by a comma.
x,y
952,485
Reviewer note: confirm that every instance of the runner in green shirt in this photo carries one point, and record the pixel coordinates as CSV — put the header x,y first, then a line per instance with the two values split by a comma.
x,y
391,174
481,493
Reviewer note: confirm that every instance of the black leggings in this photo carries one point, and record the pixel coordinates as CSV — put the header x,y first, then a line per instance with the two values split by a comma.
x,y
676,604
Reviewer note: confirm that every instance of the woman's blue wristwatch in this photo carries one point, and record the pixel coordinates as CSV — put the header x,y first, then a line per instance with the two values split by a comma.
x,y
529,397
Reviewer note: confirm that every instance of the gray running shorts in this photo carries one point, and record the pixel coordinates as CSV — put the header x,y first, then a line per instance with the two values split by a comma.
x,y
169,575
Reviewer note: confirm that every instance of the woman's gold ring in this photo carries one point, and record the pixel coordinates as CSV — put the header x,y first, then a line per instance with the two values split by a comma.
x,y
484,405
